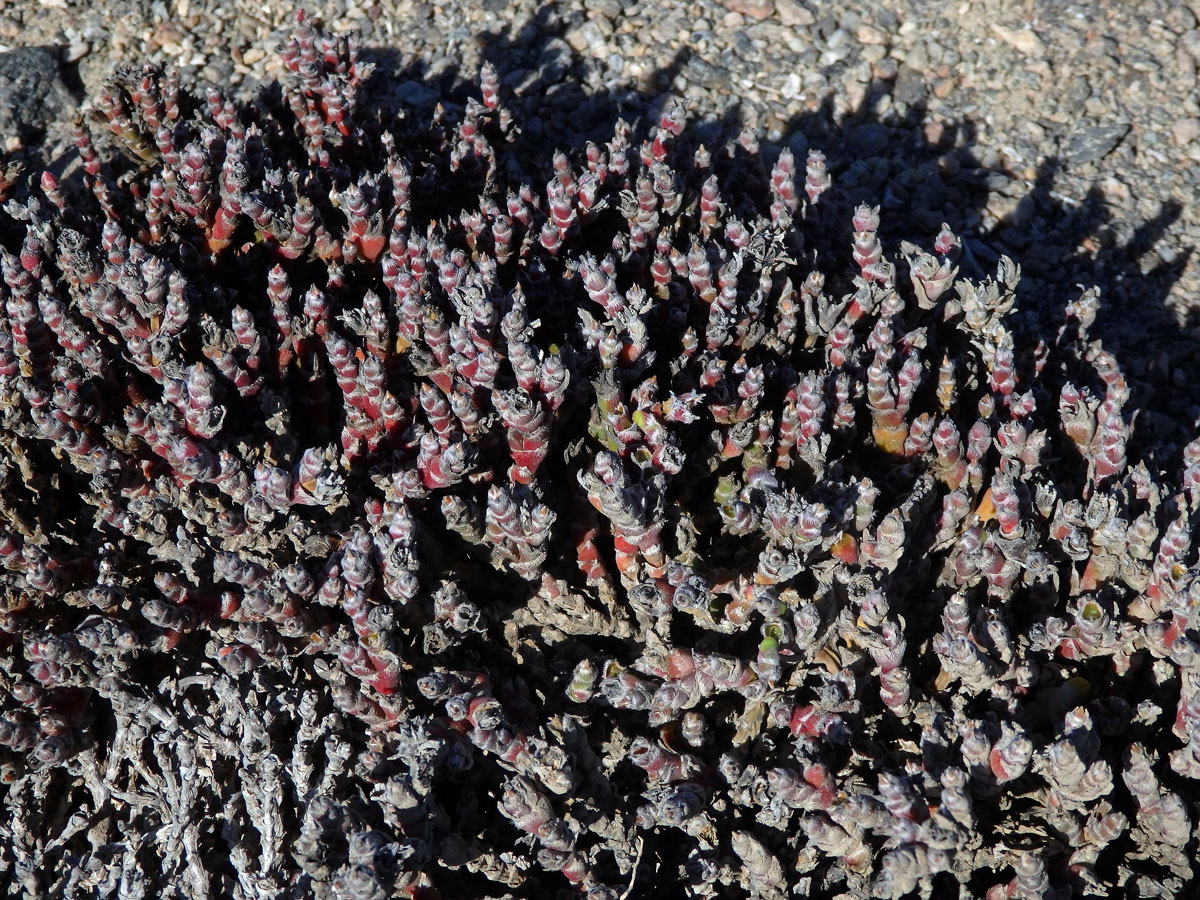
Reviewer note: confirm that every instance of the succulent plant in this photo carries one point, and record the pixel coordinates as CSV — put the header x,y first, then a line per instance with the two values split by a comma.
x,y
446,526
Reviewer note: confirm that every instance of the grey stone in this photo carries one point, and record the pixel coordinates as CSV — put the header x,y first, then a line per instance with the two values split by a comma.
x,y
587,39
910,86
1090,144
1191,42
705,74
608,8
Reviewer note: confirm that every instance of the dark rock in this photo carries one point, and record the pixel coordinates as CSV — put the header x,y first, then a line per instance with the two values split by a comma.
x,y
869,139
414,93
32,91
554,60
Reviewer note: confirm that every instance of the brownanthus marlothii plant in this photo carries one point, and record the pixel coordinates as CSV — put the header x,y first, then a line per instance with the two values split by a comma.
x,y
380,517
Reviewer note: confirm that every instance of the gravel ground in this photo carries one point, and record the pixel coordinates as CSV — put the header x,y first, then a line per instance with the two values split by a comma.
x,y
1066,135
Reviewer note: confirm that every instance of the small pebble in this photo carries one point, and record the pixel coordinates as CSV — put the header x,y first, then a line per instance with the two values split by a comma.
x,y
867,34
167,33
1185,131
754,9
1022,39
794,14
